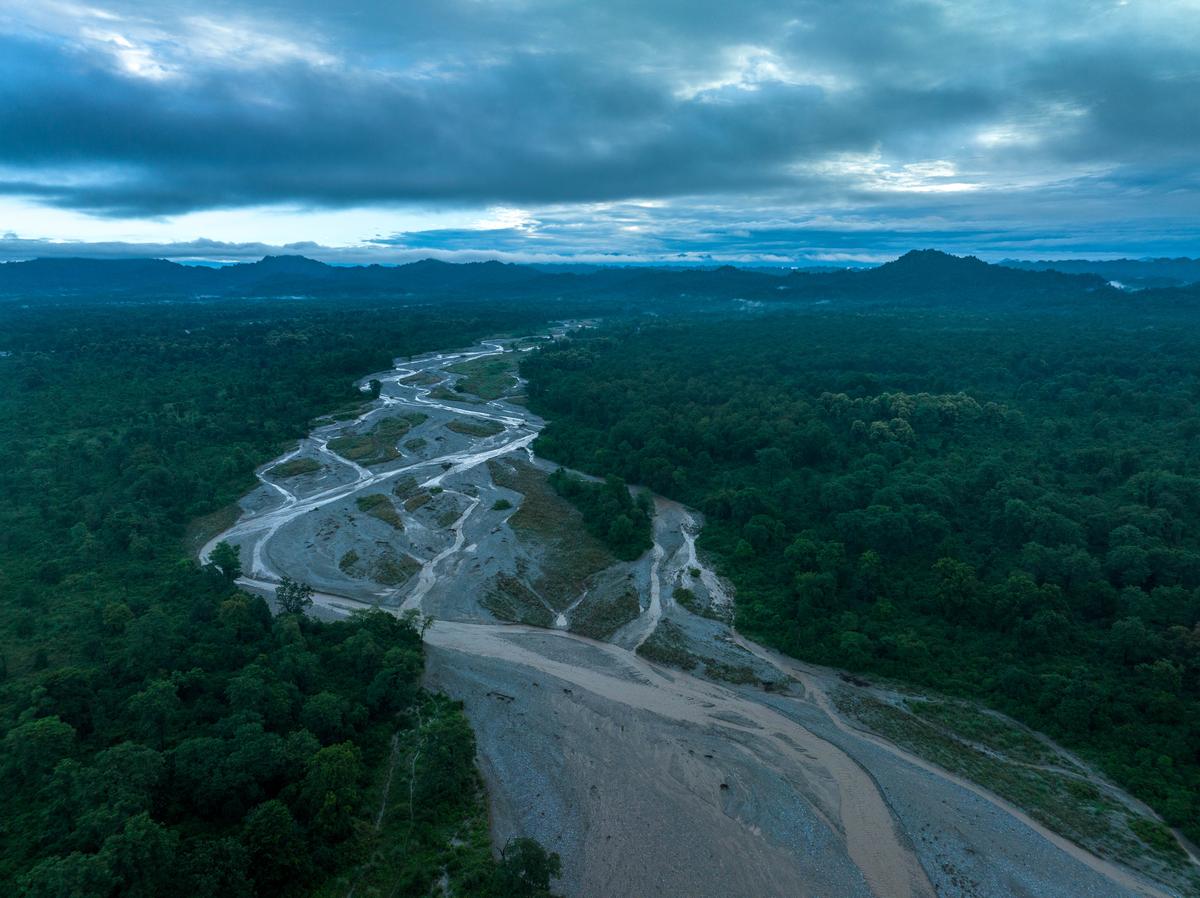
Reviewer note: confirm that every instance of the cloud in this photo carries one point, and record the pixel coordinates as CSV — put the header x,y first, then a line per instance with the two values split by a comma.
x,y
739,230
862,110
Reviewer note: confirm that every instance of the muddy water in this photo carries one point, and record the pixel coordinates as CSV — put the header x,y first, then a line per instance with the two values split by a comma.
x,y
847,798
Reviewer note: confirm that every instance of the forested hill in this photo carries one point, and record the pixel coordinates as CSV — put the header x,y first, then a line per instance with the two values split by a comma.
x,y
1137,273
924,276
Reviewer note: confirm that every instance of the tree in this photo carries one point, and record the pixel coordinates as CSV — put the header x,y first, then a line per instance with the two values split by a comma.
x,y
418,621
293,597
153,709
259,691
525,870
325,714
141,857
955,587
445,772
35,746
75,874
276,846
227,559
122,645
212,868
116,617
329,791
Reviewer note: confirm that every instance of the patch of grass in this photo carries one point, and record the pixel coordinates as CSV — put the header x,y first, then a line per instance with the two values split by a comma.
x,y
200,530
1068,804
569,555
377,505
349,411
989,730
422,379
401,424
405,487
730,673
378,445
543,512
412,503
444,395
685,598
295,467
416,444
487,378
511,600
363,448
501,505
1155,834
394,568
689,601
476,428
448,517
599,618
390,568
667,645
347,562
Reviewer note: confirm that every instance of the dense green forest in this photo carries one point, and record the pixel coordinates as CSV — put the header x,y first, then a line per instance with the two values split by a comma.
x,y
1003,505
609,512
162,733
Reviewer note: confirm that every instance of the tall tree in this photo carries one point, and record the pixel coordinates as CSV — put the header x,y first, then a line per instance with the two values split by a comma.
x,y
227,559
293,596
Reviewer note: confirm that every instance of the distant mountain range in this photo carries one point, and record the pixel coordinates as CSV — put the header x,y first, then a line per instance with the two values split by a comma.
x,y
920,275
1131,273
271,276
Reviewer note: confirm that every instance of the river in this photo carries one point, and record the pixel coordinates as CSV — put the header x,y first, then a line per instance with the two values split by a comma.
x,y
648,781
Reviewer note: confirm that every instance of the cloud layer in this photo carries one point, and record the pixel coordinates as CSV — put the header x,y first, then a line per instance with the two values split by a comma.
x,y
753,129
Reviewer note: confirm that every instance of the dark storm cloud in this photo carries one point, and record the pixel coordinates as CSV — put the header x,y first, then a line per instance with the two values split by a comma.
x,y
129,109
531,128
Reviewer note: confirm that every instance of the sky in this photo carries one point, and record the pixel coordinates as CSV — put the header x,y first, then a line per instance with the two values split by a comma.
x,y
690,131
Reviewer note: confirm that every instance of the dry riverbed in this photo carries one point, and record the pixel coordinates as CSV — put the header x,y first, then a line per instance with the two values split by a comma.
x,y
670,758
